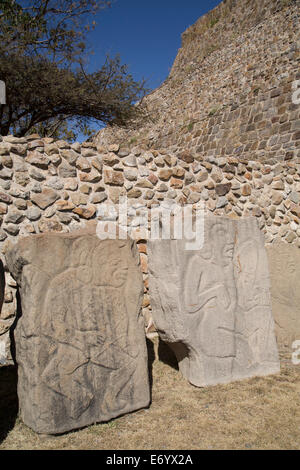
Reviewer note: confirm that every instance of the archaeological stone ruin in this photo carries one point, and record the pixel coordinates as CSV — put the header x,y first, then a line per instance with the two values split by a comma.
x,y
80,342
212,305
223,133
284,265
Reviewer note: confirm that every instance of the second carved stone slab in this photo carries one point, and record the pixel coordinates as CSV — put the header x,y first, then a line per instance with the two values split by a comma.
x,y
212,305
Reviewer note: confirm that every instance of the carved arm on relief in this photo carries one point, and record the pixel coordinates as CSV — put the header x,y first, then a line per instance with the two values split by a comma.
x,y
195,300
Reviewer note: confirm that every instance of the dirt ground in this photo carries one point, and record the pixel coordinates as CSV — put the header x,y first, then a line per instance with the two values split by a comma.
x,y
258,413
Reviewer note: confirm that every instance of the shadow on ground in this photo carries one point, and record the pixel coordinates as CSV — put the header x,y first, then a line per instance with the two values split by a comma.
x,y
166,355
8,400
159,350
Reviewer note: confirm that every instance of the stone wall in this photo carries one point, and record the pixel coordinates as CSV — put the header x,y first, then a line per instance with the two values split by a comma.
x,y
229,93
54,186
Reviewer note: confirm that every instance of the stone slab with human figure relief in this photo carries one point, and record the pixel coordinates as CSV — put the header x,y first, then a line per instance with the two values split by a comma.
x,y
80,342
212,304
284,265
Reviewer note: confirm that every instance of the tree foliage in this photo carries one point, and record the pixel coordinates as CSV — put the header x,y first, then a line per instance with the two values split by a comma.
x,y
43,44
51,27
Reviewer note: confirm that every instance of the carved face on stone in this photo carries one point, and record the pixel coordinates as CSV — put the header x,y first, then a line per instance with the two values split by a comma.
x,y
108,267
225,246
219,245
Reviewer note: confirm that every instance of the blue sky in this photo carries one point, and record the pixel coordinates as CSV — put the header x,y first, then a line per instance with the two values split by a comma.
x,y
146,34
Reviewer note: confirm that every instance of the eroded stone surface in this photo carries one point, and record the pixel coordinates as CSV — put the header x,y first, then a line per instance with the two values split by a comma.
x,y
2,341
284,265
2,284
213,305
80,343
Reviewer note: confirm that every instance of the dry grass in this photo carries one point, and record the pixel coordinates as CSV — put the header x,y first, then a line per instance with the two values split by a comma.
x,y
259,413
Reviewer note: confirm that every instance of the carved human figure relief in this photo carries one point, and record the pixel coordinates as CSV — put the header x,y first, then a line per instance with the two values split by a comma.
x,y
80,342
220,303
210,300
284,263
256,343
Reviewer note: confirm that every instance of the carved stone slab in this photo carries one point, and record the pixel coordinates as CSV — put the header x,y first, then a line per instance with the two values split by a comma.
x,y
284,264
212,305
2,284
80,343
3,340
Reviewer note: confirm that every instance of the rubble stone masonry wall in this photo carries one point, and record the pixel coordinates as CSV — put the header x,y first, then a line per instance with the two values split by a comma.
x,y
56,186
230,90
